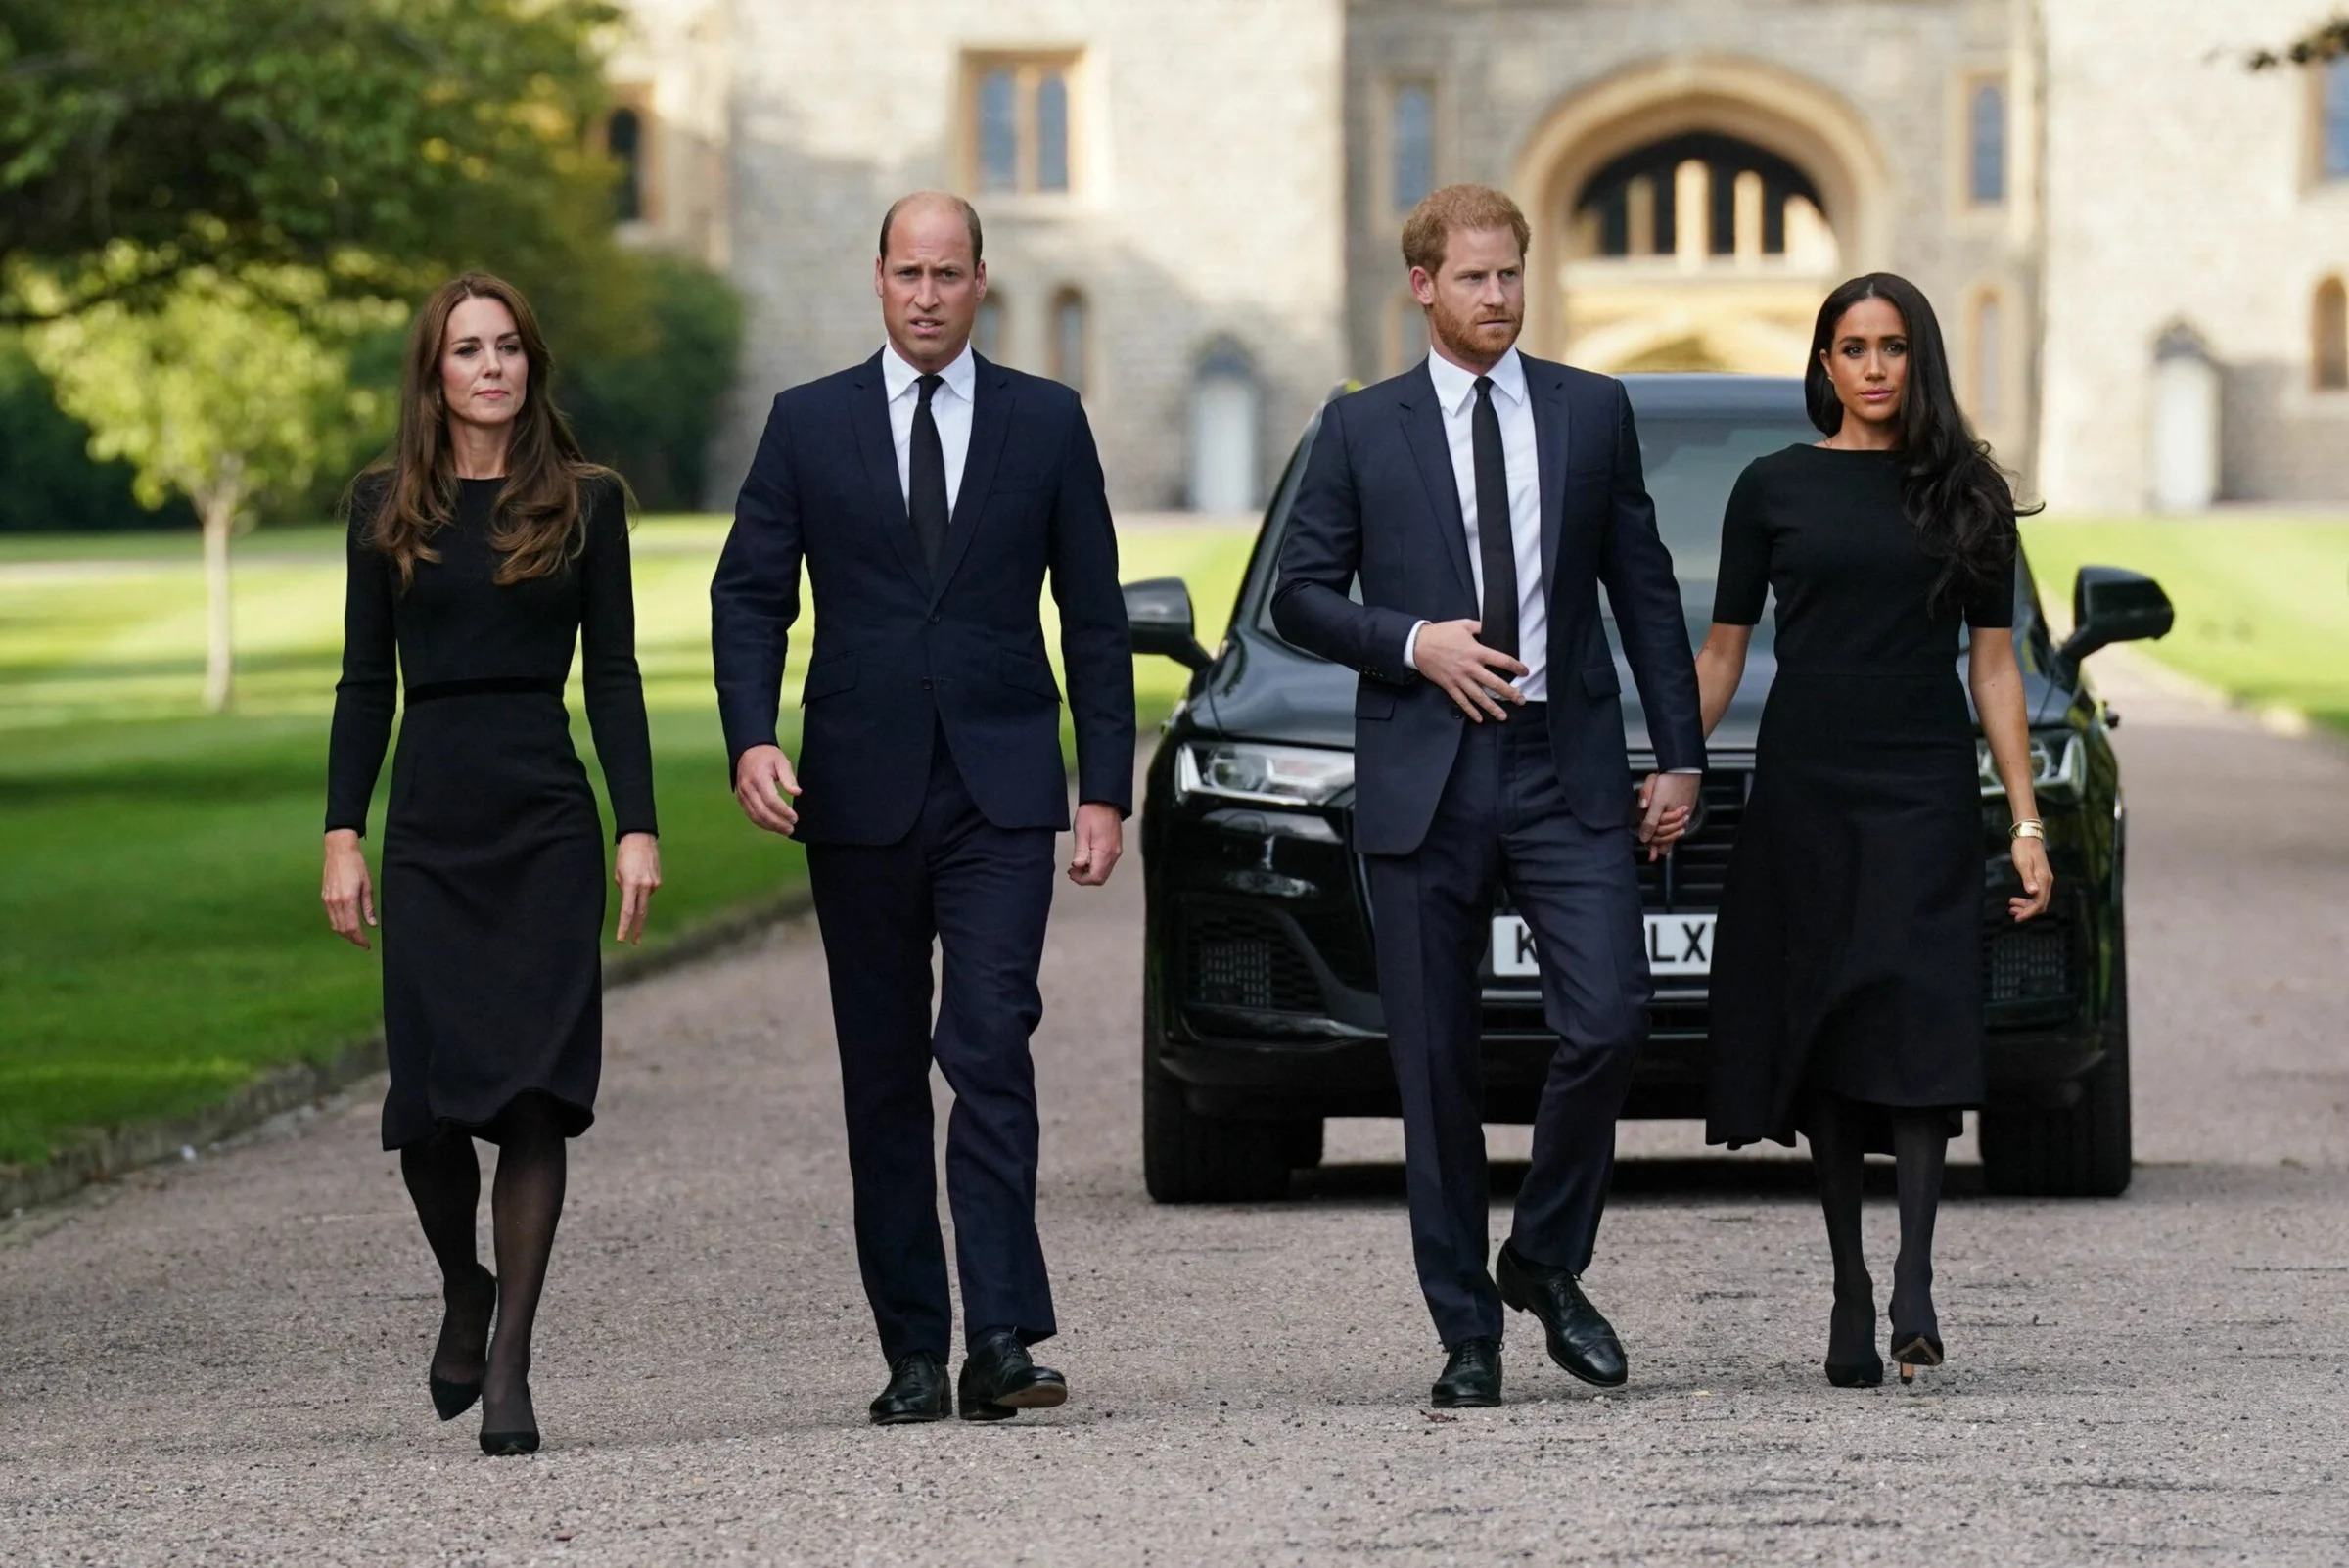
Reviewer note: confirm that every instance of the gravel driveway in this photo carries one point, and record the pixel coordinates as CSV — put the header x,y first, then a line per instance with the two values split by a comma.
x,y
223,1363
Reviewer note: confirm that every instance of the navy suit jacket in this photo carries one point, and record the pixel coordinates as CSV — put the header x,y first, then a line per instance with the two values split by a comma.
x,y
900,652
1379,500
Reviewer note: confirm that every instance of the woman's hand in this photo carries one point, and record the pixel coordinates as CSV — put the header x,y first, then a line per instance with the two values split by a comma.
x,y
638,873
348,894
2039,882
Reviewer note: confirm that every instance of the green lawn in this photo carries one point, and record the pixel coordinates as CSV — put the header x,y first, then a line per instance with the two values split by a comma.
x,y
2263,604
160,940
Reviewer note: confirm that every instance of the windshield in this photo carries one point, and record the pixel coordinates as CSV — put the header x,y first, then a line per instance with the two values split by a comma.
x,y
1691,465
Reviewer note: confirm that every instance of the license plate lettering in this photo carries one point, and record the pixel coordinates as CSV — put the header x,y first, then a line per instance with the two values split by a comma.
x,y
1677,945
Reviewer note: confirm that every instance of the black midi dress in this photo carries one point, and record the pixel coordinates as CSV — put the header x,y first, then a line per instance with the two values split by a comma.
x,y
1847,958
492,888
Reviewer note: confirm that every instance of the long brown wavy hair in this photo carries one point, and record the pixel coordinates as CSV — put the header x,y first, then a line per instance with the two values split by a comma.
x,y
536,525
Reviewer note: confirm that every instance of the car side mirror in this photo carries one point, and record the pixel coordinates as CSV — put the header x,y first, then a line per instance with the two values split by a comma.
x,y
1159,611
2110,605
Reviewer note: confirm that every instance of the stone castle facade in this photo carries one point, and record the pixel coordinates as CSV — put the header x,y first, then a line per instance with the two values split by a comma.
x,y
2137,245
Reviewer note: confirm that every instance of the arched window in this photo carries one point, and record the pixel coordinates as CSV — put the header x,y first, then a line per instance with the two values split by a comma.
x,y
1986,143
2334,123
2330,326
624,139
1411,133
986,328
1987,372
1738,194
1224,433
1069,346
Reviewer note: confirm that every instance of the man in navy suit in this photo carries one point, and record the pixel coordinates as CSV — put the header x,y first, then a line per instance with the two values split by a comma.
x,y
1482,498
929,494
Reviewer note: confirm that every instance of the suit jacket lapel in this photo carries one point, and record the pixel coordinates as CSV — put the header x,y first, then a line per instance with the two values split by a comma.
x,y
1550,422
1423,429
991,398
879,450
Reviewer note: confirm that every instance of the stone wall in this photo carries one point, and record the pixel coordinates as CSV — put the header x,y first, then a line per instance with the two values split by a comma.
x,y
1205,207
1876,89
2181,190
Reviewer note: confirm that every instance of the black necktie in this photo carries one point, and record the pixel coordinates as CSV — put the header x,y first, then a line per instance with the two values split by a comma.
x,y
926,477
1493,539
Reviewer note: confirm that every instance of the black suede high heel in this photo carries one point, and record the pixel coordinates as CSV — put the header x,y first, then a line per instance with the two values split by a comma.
x,y
1852,1359
514,1440
451,1398
499,1444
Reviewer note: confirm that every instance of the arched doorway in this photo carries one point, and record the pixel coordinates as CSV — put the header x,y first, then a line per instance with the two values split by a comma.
x,y
1225,419
1689,214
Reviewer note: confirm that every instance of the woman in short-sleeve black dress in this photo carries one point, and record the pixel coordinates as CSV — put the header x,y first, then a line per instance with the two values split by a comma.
x,y
1846,985
478,557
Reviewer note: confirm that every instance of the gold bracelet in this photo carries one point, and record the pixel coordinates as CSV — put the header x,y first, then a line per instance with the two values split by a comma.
x,y
2028,828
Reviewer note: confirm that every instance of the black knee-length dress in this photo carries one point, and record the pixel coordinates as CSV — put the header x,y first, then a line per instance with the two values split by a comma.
x,y
492,888
1848,953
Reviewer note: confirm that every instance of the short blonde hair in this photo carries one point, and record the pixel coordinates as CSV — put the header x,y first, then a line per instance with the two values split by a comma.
x,y
1458,206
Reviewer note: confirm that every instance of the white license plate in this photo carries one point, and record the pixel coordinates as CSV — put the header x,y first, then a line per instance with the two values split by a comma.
x,y
1677,945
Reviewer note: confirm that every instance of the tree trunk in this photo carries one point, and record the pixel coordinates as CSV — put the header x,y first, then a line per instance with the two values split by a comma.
x,y
219,515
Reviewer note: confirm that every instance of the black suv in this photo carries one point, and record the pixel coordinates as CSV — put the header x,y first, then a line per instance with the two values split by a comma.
x,y
1260,1010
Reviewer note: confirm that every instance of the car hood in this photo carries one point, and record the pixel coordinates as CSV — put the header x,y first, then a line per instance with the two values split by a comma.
x,y
1263,689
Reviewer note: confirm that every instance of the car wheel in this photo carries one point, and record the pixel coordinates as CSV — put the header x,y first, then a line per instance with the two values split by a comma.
x,y
1190,1158
2082,1150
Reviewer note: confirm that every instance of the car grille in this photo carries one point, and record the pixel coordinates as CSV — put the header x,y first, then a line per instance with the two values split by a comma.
x,y
2030,964
1239,958
1691,877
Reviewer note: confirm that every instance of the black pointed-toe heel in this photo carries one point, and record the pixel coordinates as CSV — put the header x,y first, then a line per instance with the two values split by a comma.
x,y
499,1444
1913,1351
1852,1360
452,1399
513,1440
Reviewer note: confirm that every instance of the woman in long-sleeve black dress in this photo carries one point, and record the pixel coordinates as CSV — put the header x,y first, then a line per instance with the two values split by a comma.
x,y
1846,981
480,552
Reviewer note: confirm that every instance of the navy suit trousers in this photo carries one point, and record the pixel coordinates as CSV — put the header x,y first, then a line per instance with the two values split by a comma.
x,y
981,893
1504,820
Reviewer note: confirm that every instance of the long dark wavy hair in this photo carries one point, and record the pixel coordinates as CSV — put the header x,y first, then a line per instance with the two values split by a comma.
x,y
536,525
1956,496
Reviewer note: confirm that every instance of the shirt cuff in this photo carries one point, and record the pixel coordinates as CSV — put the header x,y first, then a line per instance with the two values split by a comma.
x,y
1696,771
1410,644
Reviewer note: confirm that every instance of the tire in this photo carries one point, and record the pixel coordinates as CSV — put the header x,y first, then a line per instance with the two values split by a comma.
x,y
1190,1158
1301,1143
2082,1150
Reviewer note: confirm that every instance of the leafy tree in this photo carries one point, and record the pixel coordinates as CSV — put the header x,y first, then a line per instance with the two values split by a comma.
x,y
378,143
2320,44
649,412
226,393
48,479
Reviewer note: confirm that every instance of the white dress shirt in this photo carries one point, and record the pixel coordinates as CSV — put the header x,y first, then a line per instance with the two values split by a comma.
x,y
1456,395
949,408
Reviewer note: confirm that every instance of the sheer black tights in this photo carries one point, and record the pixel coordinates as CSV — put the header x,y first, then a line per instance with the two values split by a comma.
x,y
1838,1131
526,1201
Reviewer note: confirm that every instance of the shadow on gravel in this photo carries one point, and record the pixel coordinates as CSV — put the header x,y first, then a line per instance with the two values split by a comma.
x,y
1381,1182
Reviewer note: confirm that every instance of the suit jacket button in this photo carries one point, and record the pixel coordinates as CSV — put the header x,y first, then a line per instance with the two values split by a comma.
x,y
935,618
925,683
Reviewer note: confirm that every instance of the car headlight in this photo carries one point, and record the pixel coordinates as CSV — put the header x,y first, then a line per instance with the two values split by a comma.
x,y
2059,766
1266,776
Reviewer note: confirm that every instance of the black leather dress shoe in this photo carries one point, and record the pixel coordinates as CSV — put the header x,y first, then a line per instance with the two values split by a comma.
x,y
1471,1377
916,1392
1579,1339
999,1380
